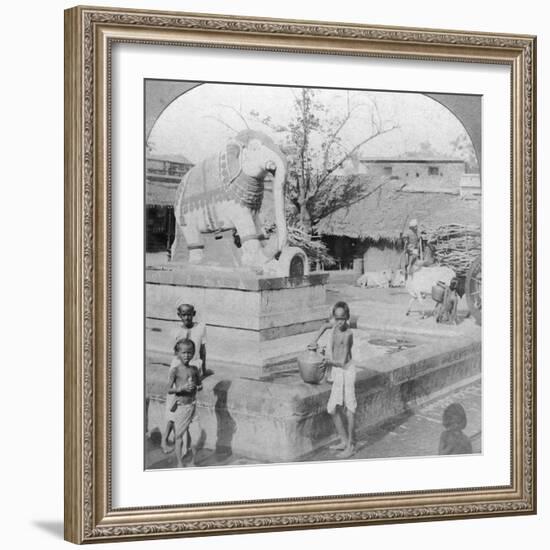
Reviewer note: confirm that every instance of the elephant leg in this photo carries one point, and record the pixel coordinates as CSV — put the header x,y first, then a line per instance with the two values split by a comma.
x,y
259,226
262,236
177,252
245,224
194,241
253,254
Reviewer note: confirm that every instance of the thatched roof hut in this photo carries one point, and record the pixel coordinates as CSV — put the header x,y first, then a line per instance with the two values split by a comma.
x,y
384,214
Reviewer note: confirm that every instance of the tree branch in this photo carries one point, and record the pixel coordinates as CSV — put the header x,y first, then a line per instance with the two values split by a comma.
x,y
333,137
221,122
236,111
355,148
336,205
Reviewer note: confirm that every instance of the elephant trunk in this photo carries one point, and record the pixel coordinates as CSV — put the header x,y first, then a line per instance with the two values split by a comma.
x,y
279,203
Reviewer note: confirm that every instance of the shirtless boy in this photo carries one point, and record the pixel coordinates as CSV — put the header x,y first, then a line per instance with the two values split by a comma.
x,y
342,401
192,330
184,381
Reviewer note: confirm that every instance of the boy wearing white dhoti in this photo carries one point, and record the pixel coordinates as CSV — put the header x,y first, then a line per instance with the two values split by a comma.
x,y
342,373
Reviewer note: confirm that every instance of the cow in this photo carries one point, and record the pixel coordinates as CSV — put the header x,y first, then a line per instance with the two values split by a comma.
x,y
419,284
376,279
397,278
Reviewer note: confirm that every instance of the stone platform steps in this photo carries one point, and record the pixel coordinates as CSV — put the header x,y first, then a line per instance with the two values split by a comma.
x,y
281,418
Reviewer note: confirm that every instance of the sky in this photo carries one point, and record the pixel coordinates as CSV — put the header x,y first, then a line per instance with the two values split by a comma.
x,y
198,123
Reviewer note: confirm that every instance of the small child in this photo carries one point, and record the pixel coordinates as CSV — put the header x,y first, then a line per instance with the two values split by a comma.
x,y
453,441
193,331
184,381
189,329
446,311
342,400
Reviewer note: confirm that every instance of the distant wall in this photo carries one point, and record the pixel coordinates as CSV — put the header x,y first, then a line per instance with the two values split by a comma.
x,y
377,259
376,255
470,186
436,176
343,277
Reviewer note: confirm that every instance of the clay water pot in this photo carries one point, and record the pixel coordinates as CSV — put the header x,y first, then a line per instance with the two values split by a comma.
x,y
312,365
438,292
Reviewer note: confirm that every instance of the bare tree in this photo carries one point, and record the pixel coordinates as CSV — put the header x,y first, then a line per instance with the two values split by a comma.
x,y
317,148
463,148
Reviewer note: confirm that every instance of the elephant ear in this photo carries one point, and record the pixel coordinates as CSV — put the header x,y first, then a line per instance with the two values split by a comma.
x,y
230,163
245,189
246,135
241,187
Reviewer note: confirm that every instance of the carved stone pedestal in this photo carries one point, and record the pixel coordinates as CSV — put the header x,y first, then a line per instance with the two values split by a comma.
x,y
256,325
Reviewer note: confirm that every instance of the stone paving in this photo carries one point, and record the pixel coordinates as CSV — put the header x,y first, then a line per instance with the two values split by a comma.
x,y
384,309
416,433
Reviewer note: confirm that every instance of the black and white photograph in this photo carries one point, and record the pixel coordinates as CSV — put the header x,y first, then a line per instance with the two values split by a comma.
x,y
313,281
300,266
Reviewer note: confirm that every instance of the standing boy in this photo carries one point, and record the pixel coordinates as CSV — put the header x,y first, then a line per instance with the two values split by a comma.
x,y
191,330
342,402
184,381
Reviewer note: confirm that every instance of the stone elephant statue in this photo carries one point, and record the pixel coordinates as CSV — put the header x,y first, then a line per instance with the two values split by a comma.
x,y
225,191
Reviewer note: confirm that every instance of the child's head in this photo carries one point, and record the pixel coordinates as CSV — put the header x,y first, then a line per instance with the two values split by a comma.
x,y
186,312
454,417
341,314
184,350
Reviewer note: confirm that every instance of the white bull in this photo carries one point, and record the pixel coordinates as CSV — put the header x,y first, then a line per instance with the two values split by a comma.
x,y
376,279
420,283
398,278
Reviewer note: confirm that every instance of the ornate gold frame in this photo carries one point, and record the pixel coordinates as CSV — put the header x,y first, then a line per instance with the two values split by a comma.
x,y
89,34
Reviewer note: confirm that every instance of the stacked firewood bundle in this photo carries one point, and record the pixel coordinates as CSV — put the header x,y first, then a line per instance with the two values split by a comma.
x,y
314,248
456,245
